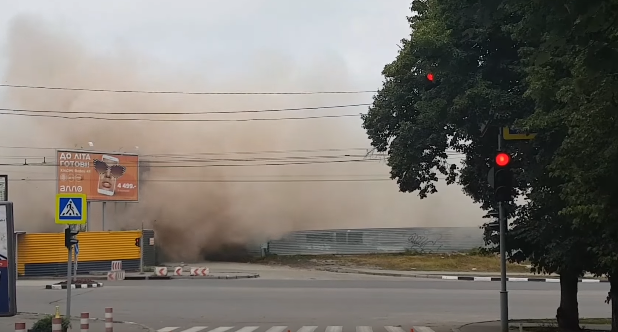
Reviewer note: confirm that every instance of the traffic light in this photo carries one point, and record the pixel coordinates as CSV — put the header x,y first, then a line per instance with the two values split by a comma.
x,y
137,242
70,237
503,178
431,82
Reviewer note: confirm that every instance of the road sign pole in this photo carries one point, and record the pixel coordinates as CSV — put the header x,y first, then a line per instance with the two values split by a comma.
x,y
103,217
76,254
68,310
504,295
141,251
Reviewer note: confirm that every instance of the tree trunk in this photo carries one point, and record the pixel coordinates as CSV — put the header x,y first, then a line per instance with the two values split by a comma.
x,y
613,299
567,314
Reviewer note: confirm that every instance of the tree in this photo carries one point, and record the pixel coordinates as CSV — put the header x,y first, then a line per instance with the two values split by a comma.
x,y
481,80
573,77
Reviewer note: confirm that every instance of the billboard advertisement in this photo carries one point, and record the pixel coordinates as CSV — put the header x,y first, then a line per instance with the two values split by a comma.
x,y
100,176
4,188
8,270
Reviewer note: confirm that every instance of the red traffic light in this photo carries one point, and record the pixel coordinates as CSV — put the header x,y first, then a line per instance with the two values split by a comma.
x,y
430,77
503,159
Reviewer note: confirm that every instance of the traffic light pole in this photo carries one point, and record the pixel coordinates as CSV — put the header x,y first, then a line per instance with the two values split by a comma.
x,y
69,281
504,294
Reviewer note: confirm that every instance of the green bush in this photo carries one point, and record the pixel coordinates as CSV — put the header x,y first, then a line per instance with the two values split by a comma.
x,y
45,324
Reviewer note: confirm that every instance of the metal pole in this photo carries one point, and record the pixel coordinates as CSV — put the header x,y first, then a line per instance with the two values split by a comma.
x,y
68,310
103,218
75,266
504,294
141,251
88,216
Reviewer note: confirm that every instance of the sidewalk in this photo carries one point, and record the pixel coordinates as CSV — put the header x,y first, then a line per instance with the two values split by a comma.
x,y
8,324
514,326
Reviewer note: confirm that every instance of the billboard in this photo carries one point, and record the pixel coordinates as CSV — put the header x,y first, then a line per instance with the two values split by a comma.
x,y
100,176
4,188
8,268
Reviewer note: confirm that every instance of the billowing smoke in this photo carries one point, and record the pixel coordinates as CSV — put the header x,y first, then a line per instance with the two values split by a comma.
x,y
212,206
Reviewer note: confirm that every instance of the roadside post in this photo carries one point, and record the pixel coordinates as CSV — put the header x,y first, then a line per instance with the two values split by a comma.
x,y
71,209
502,179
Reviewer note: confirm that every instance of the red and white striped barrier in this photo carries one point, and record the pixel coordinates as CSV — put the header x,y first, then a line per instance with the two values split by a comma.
x,y
178,271
56,324
20,327
84,322
161,271
109,320
116,265
199,271
116,275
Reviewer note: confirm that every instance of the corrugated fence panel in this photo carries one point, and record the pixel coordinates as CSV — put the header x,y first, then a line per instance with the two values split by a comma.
x,y
378,240
45,254
98,246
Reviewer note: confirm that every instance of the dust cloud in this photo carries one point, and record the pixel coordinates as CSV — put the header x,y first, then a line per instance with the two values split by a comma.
x,y
212,207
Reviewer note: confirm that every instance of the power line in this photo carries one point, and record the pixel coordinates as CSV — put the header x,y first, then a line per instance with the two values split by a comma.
x,y
232,180
212,165
181,120
183,92
191,113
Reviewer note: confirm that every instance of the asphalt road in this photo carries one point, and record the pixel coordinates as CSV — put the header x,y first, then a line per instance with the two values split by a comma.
x,y
348,300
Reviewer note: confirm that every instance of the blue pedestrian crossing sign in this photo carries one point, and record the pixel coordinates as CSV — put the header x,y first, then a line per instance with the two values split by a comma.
x,y
71,209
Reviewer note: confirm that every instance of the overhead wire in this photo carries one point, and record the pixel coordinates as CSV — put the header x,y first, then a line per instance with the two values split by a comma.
x,y
41,87
180,120
290,109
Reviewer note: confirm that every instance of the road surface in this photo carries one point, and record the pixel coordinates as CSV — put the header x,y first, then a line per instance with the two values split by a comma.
x,y
352,302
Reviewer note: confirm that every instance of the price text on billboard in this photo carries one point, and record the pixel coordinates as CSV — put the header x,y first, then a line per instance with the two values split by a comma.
x,y
101,176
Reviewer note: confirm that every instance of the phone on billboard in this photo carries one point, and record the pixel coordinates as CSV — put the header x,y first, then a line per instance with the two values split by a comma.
x,y
107,180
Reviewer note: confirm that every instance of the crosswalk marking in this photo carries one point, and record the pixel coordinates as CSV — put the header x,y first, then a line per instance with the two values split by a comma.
x,y
423,329
276,329
195,329
222,329
247,329
393,329
307,329
284,329
167,329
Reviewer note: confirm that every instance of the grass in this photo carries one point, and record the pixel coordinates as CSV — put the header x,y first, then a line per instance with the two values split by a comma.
x,y
400,262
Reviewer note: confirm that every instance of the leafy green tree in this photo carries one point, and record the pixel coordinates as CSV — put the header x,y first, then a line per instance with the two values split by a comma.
x,y
481,80
573,77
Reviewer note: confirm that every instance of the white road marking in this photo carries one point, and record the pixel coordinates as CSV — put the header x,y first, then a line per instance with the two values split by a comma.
x,y
307,329
276,329
247,329
334,328
195,329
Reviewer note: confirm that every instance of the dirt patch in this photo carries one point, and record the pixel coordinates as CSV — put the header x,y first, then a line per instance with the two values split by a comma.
x,y
399,262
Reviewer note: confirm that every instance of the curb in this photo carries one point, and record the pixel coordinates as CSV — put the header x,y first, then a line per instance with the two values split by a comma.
x,y
516,279
455,277
74,286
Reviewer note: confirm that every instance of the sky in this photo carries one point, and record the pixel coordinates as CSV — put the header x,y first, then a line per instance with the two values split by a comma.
x,y
235,45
